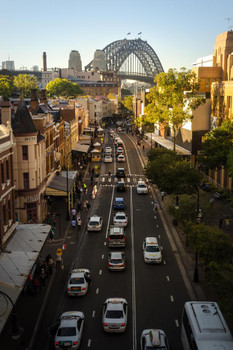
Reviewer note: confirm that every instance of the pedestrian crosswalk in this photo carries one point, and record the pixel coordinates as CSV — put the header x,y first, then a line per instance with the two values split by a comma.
x,y
131,180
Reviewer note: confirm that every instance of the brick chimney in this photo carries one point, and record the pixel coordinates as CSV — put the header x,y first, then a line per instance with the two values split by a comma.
x,y
43,97
34,106
5,112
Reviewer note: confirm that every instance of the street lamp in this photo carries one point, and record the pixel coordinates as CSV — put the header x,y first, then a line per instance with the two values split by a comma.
x,y
15,329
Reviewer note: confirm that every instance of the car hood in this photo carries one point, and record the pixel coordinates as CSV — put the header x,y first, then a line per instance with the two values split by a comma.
x,y
150,255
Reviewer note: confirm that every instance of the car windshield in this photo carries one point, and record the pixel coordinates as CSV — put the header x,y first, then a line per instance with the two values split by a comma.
x,y
141,186
120,217
152,248
116,237
77,280
66,332
156,347
114,314
119,202
120,184
93,223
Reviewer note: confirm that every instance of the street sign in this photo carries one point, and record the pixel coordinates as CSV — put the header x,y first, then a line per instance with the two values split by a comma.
x,y
59,251
63,246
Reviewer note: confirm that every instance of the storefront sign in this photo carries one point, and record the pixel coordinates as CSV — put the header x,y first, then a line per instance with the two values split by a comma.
x,y
31,199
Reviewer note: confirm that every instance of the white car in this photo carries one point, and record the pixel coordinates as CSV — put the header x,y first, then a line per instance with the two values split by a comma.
x,y
107,158
78,282
121,158
116,261
154,339
95,223
151,251
120,219
115,315
108,149
142,187
69,332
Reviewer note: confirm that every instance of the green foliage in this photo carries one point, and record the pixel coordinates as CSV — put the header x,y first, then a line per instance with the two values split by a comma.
x,y
25,83
127,103
186,211
169,172
6,86
63,87
173,99
218,147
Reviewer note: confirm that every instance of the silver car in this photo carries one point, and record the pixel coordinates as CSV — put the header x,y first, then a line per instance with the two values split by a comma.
x,y
95,223
116,261
154,339
120,219
70,329
115,315
78,282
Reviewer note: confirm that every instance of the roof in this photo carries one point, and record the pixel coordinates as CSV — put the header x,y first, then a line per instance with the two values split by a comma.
x,y
22,121
58,185
151,240
80,147
17,261
168,144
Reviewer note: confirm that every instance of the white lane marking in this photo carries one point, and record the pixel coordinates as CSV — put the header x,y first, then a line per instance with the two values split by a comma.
x,y
128,179
134,180
116,179
133,275
167,278
110,211
109,179
155,217
127,160
100,272
161,247
102,256
177,323
152,202
105,243
97,291
158,236
171,298
103,179
164,262
93,313
89,343
157,226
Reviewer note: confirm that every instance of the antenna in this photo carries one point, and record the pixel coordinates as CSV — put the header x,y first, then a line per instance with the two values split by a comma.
x,y
229,20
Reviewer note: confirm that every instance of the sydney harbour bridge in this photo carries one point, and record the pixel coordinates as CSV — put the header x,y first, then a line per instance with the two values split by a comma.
x,y
131,59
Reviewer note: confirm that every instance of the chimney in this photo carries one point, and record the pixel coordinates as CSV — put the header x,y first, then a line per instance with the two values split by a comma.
x,y
34,102
43,97
44,62
5,112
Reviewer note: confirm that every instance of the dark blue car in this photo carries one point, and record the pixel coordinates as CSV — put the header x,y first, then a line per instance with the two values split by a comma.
x,y
119,203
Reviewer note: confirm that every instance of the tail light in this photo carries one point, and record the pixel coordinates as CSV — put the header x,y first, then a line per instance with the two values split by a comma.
x,y
124,238
123,324
83,288
75,342
105,324
56,343
68,289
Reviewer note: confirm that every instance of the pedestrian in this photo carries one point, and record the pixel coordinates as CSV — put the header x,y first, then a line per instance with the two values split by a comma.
x,y
220,221
51,235
84,187
50,263
73,213
73,224
155,207
109,173
85,206
227,222
36,284
88,205
79,205
79,222
162,194
54,221
42,277
59,261
143,147
87,278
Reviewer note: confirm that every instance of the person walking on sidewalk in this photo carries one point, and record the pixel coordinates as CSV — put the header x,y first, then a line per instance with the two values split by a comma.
x,y
162,194
73,213
73,224
155,207
79,221
84,187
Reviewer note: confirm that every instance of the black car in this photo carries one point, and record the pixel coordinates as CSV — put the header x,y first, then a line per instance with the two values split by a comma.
x,y
120,172
121,187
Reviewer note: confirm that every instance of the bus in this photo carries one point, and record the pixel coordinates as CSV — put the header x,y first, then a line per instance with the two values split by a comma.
x,y
204,327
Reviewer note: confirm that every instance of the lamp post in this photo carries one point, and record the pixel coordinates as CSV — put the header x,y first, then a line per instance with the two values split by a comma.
x,y
15,329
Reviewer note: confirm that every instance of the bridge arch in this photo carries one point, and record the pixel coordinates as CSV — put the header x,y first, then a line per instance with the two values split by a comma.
x,y
119,51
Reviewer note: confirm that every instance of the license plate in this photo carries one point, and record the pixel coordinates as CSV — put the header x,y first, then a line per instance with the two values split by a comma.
x,y
75,288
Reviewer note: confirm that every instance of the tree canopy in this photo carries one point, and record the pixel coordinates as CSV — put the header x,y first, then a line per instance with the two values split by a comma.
x,y
127,103
63,87
24,83
173,99
6,86
218,147
169,172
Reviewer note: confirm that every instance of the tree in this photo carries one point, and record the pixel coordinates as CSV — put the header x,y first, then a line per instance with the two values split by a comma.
x,y
128,104
6,86
24,83
63,87
218,147
168,171
173,99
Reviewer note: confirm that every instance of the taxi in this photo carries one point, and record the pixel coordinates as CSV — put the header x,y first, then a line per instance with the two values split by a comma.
x,y
151,251
116,261
153,339
119,203
142,187
78,282
115,314
95,223
70,329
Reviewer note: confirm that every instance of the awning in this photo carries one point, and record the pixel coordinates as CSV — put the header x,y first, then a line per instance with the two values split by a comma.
x,y
97,144
58,185
80,147
168,144
17,260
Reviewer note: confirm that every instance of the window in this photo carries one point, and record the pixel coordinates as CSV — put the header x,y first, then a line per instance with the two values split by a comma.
x,y
7,169
2,173
9,209
25,152
26,181
4,215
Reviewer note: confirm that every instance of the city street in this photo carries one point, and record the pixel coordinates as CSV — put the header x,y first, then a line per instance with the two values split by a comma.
x,y
155,293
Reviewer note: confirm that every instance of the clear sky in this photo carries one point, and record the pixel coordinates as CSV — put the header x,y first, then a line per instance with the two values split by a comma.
x,y
179,31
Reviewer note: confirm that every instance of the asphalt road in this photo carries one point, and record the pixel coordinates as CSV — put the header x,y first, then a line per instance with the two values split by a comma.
x,y
155,293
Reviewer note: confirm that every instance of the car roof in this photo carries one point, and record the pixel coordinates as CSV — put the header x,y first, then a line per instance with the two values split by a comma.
x,y
116,255
120,169
141,182
79,272
94,218
151,240
115,303
121,182
119,199
120,213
